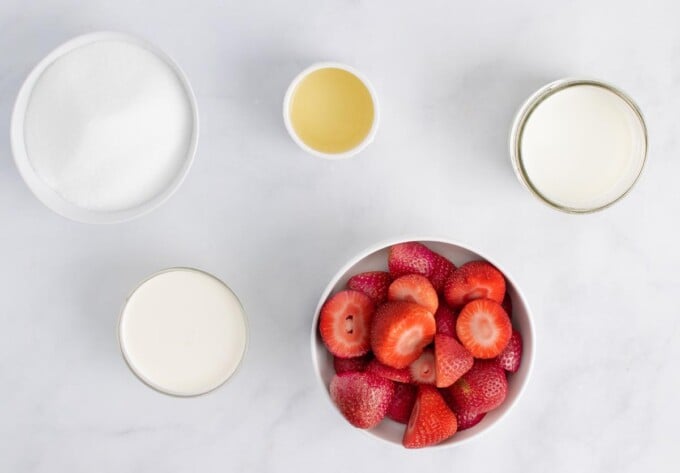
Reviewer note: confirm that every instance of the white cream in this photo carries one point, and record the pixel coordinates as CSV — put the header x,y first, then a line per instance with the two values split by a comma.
x,y
583,147
183,332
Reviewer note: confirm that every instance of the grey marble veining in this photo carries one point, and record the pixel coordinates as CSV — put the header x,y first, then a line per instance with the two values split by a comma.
x,y
276,224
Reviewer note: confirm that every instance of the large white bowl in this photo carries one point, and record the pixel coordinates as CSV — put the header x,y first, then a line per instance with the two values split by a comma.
x,y
375,259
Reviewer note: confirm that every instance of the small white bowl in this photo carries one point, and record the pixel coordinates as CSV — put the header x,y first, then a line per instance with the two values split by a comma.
x,y
375,259
43,191
289,96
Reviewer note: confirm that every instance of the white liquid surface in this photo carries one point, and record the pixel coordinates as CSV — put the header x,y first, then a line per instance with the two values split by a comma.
x,y
583,147
108,125
183,332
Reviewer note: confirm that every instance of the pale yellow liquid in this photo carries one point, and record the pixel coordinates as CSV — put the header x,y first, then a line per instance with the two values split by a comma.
x,y
331,110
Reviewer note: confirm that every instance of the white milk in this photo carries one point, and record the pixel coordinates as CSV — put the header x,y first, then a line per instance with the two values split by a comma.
x,y
108,125
583,147
183,332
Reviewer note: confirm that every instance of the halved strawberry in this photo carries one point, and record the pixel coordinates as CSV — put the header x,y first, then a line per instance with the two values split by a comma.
x,y
445,319
344,365
452,360
481,389
511,357
402,375
402,402
467,420
400,331
441,270
431,420
345,324
483,328
474,280
363,398
423,369
373,283
414,288
410,258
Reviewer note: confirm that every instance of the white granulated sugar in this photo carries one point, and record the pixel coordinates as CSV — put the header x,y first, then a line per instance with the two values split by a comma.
x,y
108,125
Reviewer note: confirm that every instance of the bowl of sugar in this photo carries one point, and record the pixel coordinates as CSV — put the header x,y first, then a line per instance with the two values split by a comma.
x,y
105,128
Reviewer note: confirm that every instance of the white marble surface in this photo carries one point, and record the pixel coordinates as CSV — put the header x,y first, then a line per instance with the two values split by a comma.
x,y
276,224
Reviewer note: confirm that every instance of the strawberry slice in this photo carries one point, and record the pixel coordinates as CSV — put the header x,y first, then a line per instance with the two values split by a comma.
x,y
483,328
410,258
445,319
423,369
481,389
363,398
344,365
431,420
452,360
474,280
345,323
399,375
441,270
511,357
402,402
414,288
400,331
373,283
467,419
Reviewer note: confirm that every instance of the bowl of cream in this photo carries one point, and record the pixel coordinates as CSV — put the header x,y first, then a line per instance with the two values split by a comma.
x,y
105,128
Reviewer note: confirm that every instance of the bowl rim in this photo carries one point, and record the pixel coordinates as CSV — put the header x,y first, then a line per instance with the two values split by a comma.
x,y
381,245
40,189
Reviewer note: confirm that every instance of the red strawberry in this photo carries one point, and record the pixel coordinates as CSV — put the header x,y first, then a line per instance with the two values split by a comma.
x,y
343,365
423,369
452,360
474,280
363,398
481,389
400,331
402,402
511,357
414,288
468,419
483,328
445,320
345,324
507,304
441,271
402,375
374,284
431,420
410,258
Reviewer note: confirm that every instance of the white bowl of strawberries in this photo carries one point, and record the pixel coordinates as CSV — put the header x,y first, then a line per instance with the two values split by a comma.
x,y
422,342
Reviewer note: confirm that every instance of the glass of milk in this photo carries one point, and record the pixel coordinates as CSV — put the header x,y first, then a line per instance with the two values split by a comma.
x,y
183,332
579,145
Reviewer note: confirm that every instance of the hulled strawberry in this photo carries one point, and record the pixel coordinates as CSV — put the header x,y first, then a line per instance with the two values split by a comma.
x,y
441,271
431,420
445,319
481,389
467,420
363,398
345,323
402,375
511,357
414,288
423,369
474,280
344,365
483,328
410,258
402,402
451,359
373,283
507,304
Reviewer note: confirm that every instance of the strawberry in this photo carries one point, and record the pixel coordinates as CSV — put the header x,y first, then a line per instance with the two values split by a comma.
x,y
400,331
468,419
483,328
423,369
345,324
511,357
507,304
363,398
410,258
451,360
474,280
402,402
481,389
343,365
373,283
431,420
441,270
402,375
445,320
414,288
